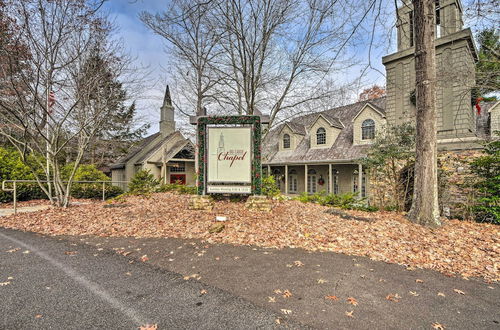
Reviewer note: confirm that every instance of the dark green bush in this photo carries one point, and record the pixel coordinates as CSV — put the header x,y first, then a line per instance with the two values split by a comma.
x,y
143,182
13,168
89,190
347,201
487,168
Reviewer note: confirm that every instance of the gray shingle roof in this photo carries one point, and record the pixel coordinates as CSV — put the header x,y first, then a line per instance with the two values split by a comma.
x,y
134,150
342,149
154,147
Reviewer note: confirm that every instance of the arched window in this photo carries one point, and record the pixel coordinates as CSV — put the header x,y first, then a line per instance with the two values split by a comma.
x,y
368,129
286,141
321,136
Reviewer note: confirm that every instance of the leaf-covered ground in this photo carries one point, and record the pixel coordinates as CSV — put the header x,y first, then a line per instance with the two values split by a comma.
x,y
458,247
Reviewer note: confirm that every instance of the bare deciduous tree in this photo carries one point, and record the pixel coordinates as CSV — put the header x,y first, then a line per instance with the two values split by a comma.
x,y
193,43
245,56
50,104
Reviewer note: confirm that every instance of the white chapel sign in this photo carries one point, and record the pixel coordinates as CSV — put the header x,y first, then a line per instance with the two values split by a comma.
x,y
229,159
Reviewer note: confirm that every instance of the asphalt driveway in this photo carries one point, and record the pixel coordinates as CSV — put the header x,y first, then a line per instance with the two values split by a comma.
x,y
50,283
323,289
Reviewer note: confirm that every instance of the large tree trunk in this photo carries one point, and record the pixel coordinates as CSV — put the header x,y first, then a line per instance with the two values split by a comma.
x,y
425,208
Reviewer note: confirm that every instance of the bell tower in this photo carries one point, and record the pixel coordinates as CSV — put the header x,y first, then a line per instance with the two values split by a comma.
x,y
455,70
167,120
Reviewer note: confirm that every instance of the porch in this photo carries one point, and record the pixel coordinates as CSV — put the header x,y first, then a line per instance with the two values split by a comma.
x,y
332,178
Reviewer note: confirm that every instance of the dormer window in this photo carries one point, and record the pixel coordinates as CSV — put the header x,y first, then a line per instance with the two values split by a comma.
x,y
321,136
368,129
286,141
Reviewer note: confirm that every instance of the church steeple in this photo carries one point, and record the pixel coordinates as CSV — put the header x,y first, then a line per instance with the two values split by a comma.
x,y
167,121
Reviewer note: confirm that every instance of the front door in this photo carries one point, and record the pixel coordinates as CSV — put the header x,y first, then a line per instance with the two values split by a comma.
x,y
178,178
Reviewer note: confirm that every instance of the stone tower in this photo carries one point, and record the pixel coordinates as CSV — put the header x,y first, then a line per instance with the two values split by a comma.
x,y
167,120
455,64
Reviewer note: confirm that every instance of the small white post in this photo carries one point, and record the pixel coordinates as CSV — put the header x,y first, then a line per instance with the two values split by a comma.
x,y
103,191
15,198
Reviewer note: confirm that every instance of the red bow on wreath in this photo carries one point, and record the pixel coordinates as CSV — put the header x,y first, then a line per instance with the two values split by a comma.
x,y
478,107
321,181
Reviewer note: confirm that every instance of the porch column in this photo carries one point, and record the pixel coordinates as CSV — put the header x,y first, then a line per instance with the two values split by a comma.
x,y
330,183
360,180
305,178
286,179
268,170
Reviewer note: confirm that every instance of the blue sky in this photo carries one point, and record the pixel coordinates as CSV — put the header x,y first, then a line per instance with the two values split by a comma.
x,y
149,50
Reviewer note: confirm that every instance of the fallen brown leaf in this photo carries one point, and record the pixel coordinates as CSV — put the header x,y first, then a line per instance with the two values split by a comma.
x,y
352,301
149,327
393,297
459,291
332,297
349,313
287,294
438,326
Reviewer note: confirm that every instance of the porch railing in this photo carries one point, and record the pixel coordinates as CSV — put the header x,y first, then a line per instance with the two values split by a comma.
x,y
15,182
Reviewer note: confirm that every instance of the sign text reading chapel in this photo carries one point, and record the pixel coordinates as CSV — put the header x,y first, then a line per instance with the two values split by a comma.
x,y
229,154
229,160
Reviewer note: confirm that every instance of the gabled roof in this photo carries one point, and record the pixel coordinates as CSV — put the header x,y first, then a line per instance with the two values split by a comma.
x,y
134,150
330,118
342,149
154,147
178,147
296,128
377,109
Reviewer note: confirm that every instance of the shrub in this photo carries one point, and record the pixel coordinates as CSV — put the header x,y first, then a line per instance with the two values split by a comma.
x,y
89,190
347,201
269,187
143,182
179,188
13,168
487,168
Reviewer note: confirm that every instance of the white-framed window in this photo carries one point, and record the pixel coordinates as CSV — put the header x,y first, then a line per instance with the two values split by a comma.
x,y
179,167
321,136
368,129
335,178
286,141
311,181
293,181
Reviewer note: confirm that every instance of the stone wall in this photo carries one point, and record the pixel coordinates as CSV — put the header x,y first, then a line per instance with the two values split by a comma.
x,y
456,195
